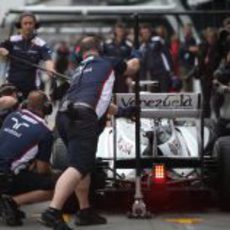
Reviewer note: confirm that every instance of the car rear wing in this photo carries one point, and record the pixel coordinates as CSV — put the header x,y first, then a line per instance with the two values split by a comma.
x,y
164,105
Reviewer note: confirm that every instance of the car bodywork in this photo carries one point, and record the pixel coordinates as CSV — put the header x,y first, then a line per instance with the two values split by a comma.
x,y
175,144
174,139
168,129
178,151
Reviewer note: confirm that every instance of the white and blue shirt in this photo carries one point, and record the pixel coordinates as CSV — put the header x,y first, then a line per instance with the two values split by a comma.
x,y
24,136
93,82
32,50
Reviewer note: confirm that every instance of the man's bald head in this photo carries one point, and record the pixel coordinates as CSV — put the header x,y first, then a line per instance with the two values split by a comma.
x,y
7,102
90,43
36,100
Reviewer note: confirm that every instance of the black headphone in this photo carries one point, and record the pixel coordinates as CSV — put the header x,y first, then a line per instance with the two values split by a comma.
x,y
27,14
47,106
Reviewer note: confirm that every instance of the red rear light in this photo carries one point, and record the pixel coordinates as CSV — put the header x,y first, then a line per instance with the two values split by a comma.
x,y
159,174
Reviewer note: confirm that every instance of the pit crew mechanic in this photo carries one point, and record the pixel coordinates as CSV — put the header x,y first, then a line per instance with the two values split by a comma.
x,y
86,101
119,46
29,47
25,149
8,101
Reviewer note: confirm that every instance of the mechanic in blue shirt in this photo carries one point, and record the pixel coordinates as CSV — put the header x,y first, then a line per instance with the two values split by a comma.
x,y
119,46
156,61
25,149
85,103
8,101
187,57
29,47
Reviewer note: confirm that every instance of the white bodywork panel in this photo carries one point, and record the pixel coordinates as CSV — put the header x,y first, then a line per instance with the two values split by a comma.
x,y
184,139
172,139
182,143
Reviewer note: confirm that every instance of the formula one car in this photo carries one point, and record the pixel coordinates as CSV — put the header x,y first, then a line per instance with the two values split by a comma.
x,y
176,149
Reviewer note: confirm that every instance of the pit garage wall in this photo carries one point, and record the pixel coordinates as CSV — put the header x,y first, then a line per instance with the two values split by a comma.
x,y
7,4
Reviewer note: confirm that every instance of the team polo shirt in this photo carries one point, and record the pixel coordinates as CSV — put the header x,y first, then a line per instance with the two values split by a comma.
x,y
33,50
113,49
24,136
93,82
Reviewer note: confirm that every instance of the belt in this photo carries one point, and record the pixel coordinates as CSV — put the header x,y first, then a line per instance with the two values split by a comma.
x,y
65,105
82,104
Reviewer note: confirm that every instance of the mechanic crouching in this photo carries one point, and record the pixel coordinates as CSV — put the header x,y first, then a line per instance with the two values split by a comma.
x,y
8,100
25,149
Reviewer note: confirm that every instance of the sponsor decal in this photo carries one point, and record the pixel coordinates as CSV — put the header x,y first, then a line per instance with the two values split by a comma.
x,y
168,101
124,146
14,130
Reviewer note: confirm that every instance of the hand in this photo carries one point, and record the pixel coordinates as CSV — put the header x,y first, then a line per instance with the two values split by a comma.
x,y
51,73
129,82
222,89
4,52
127,112
215,83
49,64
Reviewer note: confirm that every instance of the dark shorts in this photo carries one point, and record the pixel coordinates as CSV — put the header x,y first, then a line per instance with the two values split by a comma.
x,y
27,181
80,136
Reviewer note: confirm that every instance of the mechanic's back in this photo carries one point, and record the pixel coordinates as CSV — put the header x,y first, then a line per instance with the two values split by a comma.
x,y
22,133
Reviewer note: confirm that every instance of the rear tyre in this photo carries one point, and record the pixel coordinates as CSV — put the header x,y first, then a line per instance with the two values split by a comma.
x,y
211,125
222,152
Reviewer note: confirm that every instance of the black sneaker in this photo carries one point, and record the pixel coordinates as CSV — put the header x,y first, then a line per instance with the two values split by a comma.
x,y
89,217
9,212
9,199
53,218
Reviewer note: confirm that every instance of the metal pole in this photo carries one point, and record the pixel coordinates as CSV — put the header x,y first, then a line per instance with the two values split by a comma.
x,y
139,207
59,75
137,99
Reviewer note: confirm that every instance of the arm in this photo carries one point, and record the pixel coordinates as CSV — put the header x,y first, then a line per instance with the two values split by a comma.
x,y
46,54
42,167
220,88
5,48
50,67
125,68
3,52
118,111
42,161
112,110
133,65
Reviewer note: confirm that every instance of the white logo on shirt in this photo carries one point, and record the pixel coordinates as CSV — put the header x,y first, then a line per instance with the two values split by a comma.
x,y
17,125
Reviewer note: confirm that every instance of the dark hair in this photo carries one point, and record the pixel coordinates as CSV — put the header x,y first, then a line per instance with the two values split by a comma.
x,y
37,99
90,43
27,14
7,89
146,26
120,25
